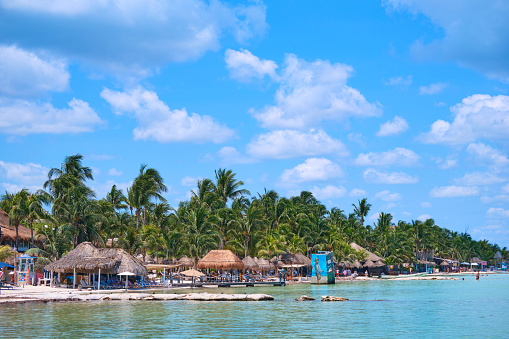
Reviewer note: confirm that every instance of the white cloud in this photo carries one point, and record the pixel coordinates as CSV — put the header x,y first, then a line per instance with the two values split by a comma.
x,y
282,144
189,181
245,66
479,179
115,172
477,116
483,153
358,138
23,73
135,35
158,122
433,88
498,211
311,92
374,176
24,174
388,196
357,192
229,155
396,126
398,156
424,217
399,81
473,33
426,204
506,188
328,192
313,169
21,117
453,191
446,163
101,189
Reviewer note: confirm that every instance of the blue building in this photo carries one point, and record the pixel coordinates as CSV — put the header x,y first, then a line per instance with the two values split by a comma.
x,y
323,268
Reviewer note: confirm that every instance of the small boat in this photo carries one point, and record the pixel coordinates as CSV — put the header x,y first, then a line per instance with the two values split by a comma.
x,y
422,274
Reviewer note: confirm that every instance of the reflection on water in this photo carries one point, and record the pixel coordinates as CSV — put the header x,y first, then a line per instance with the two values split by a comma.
x,y
419,308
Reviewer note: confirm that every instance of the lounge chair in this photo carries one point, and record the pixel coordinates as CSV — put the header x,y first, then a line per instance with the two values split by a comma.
x,y
84,284
7,287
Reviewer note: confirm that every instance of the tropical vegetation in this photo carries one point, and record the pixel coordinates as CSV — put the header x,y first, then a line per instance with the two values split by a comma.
x,y
220,214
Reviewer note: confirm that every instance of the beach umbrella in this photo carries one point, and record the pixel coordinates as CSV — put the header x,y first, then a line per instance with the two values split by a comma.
x,y
2,265
249,263
126,274
193,273
444,263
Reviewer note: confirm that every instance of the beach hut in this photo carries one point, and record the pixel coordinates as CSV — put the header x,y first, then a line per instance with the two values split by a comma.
x,y
498,258
265,265
186,262
220,260
250,263
87,259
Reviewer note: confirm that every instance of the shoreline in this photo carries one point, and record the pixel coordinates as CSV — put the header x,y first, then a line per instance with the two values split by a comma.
x,y
21,295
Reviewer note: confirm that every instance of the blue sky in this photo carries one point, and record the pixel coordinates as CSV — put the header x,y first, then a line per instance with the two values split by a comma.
x,y
402,102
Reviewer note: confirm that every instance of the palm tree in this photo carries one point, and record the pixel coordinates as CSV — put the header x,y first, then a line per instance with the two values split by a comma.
x,y
5,252
248,224
362,209
227,187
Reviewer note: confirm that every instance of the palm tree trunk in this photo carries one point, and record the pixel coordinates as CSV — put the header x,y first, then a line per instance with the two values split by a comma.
x,y
31,231
17,238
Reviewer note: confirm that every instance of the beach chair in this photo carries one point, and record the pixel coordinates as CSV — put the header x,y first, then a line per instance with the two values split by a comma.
x,y
84,284
6,287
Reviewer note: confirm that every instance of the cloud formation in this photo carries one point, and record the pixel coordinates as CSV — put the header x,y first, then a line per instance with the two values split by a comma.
x,y
388,196
23,73
397,126
454,191
24,174
283,144
377,177
308,93
475,34
398,156
479,179
432,88
244,66
135,35
158,122
313,169
476,117
328,192
21,117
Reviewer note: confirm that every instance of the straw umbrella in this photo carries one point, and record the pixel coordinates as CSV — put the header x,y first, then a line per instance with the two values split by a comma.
x,y
249,263
220,260
193,273
186,262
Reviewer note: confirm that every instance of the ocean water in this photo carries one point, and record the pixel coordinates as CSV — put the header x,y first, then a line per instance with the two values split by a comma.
x,y
381,309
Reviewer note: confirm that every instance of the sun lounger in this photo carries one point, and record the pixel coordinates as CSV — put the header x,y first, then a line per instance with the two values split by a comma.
x,y
7,287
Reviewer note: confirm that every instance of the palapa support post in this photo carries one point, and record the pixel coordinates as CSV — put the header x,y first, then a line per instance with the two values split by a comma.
x,y
74,278
99,280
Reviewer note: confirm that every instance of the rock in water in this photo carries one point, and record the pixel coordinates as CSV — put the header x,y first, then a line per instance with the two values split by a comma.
x,y
331,298
304,298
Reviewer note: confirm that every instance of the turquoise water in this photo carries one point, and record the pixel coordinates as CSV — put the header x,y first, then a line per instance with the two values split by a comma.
x,y
430,309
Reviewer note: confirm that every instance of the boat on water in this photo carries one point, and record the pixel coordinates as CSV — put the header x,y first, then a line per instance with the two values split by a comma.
x,y
422,274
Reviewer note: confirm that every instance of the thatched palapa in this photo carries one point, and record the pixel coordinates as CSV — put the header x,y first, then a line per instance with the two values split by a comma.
x,y
221,260
86,258
186,262
8,233
249,263
371,256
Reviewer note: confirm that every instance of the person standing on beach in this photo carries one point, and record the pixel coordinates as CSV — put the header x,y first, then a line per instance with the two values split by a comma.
x,y
477,276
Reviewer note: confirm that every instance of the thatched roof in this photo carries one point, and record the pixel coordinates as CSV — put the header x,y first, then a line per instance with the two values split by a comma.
x,y
186,262
264,264
250,263
220,260
371,256
444,263
192,273
86,258
476,260
9,232
288,260
498,255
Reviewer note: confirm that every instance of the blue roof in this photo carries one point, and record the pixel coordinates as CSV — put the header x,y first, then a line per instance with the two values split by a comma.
x,y
2,264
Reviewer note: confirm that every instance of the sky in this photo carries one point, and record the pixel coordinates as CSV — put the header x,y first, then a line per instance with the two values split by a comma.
x,y
402,102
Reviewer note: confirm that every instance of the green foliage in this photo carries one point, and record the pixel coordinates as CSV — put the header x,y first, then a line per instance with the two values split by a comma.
x,y
220,214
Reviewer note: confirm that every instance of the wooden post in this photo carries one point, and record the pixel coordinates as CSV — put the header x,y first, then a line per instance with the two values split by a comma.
x,y
99,281
74,279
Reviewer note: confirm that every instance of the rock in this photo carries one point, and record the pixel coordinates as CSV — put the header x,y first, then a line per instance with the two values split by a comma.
x,y
304,298
331,298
